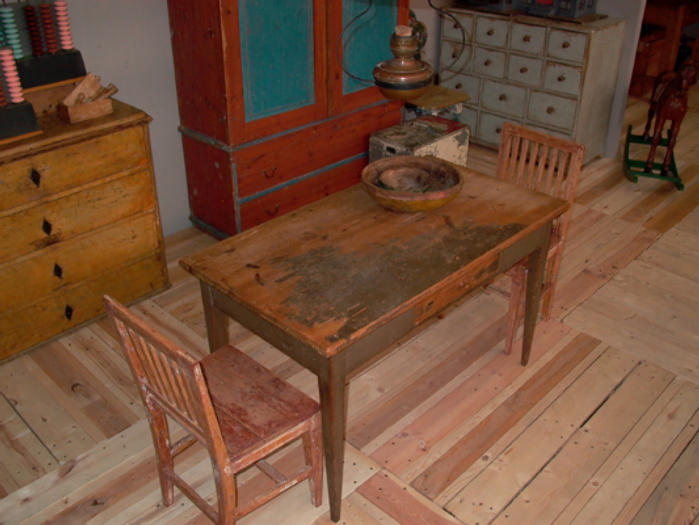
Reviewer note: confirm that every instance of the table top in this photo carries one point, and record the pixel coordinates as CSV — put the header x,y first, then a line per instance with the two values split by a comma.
x,y
335,270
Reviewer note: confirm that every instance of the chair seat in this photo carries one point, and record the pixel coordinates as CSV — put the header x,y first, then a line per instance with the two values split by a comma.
x,y
253,405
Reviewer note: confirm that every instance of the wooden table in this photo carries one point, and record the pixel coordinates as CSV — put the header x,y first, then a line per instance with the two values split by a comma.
x,y
336,282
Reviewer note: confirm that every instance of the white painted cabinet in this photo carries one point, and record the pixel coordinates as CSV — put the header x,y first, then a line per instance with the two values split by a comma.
x,y
555,76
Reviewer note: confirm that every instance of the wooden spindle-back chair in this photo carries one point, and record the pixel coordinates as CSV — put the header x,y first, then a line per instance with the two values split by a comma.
x,y
550,165
234,407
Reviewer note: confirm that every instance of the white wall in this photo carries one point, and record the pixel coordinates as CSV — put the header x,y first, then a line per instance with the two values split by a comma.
x,y
127,43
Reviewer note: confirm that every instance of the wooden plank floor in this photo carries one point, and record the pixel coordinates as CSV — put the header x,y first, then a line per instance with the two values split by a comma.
x,y
600,428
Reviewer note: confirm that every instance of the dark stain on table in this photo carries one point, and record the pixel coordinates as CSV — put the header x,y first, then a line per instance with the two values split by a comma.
x,y
359,287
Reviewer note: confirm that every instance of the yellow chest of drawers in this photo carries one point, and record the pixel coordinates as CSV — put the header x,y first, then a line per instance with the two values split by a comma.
x,y
79,218
554,76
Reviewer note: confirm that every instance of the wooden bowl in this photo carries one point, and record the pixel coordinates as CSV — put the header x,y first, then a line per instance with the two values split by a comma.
x,y
406,171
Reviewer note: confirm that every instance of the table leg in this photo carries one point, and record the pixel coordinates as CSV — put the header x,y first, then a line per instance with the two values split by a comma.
x,y
332,387
216,320
535,278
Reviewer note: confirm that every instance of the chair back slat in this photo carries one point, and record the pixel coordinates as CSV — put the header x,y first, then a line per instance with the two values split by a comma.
x,y
166,374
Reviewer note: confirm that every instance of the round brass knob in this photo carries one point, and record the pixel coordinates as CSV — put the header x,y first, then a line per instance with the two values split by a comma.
x,y
566,45
502,97
561,78
524,70
527,38
550,110
487,62
490,32
459,85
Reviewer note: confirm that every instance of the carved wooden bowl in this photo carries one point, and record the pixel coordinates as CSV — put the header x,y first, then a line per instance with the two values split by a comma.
x,y
411,184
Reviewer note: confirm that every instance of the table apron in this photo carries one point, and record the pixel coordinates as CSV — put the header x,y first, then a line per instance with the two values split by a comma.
x,y
518,251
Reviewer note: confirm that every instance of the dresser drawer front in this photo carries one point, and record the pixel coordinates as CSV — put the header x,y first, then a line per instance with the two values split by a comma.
x,y
289,198
525,70
489,63
61,219
448,53
279,161
491,31
562,78
44,174
567,45
28,279
504,98
490,128
552,110
466,83
528,39
451,31
73,306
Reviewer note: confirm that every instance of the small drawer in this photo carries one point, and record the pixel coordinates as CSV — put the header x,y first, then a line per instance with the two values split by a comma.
x,y
528,39
489,63
469,84
567,45
552,110
490,128
448,54
491,32
44,174
47,271
58,220
504,98
566,79
525,70
276,203
451,30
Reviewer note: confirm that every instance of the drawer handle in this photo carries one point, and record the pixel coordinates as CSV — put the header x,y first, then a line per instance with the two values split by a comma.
x,y
47,227
502,97
490,32
454,54
565,45
524,70
35,177
270,176
527,38
68,312
58,271
498,130
562,78
456,26
273,213
459,85
550,110
487,62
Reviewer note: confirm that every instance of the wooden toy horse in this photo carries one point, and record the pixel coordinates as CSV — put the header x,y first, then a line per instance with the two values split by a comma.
x,y
668,102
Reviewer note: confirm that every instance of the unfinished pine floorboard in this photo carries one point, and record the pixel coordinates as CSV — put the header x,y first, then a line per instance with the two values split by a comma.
x,y
600,428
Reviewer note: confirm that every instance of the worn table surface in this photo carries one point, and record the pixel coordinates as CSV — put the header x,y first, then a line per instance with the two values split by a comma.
x,y
337,282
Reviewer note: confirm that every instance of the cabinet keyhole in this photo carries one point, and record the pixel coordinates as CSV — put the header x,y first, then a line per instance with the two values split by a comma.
x,y
35,177
273,212
58,271
68,312
47,227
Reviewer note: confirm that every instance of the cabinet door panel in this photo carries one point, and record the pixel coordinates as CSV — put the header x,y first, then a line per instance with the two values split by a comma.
x,y
277,56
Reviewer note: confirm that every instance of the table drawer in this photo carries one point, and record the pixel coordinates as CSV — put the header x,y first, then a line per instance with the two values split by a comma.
x,y
552,110
283,200
504,98
491,31
450,51
57,220
44,174
467,83
528,39
567,45
525,70
489,63
72,306
451,31
566,79
47,271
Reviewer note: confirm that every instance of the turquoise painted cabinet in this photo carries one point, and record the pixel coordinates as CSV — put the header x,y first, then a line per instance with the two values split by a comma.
x,y
269,120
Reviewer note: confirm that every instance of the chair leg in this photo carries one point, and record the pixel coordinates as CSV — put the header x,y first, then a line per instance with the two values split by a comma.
x,y
227,492
161,441
515,311
313,450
